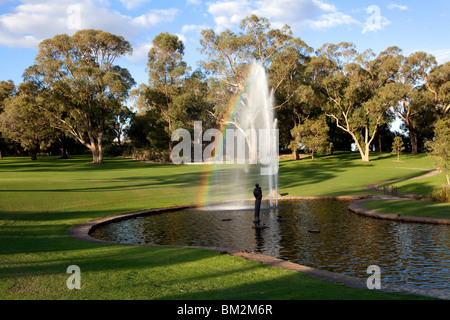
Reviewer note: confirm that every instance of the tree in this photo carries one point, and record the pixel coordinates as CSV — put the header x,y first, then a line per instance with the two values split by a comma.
x,y
174,98
410,96
228,56
350,84
118,124
438,83
7,89
167,71
87,89
24,121
312,134
397,146
439,147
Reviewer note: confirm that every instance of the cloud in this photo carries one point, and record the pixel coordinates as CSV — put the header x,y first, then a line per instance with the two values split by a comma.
x,y
393,6
181,37
140,52
375,21
156,16
228,13
331,20
31,22
194,2
192,28
299,14
133,4
442,55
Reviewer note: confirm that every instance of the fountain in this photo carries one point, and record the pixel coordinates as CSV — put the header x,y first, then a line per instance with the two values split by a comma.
x,y
250,147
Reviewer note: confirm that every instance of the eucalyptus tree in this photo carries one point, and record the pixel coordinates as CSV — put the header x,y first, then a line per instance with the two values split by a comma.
x,y
24,120
87,88
351,85
438,83
312,134
167,71
7,89
174,97
397,146
415,101
439,147
228,55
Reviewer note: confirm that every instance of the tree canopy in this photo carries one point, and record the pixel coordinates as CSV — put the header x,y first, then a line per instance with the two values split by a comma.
x,y
86,88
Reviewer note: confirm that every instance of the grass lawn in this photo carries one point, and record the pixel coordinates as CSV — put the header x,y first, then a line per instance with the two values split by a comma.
x,y
411,208
40,200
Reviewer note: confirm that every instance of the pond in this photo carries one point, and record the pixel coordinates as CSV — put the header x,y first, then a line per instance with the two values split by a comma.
x,y
322,234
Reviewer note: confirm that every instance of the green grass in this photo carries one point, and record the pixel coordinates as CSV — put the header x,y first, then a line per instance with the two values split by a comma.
x,y
346,174
411,208
41,200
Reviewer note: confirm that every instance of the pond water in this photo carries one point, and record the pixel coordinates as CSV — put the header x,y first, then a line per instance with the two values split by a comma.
x,y
322,234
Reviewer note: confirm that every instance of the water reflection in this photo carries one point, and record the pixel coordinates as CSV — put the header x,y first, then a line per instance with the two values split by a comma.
x,y
407,253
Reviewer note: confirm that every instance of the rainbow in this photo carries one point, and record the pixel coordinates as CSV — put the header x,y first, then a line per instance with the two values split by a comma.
x,y
259,106
210,176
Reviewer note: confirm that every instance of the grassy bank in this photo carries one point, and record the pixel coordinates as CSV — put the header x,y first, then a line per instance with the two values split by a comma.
x,y
41,200
411,208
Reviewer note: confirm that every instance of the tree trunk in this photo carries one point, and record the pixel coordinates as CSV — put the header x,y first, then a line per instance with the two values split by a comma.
x,y
63,146
295,154
64,153
33,153
380,147
364,153
100,148
94,155
413,138
97,154
1,155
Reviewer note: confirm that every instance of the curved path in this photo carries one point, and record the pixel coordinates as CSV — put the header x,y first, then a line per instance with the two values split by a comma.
x,y
374,186
83,231
358,205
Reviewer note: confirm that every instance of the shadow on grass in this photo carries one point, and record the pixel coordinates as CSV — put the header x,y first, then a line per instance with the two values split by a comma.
x,y
124,183
294,174
117,272
73,164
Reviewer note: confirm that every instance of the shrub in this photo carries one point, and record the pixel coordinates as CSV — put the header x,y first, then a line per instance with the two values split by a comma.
x,y
146,154
441,194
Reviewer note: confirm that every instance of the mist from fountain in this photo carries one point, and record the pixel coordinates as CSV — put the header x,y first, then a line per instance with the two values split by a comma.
x,y
253,121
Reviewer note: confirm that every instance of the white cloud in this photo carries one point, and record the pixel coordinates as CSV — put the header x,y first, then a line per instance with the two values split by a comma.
x,y
299,14
181,37
156,16
228,13
31,22
331,20
442,55
140,52
192,28
133,4
393,6
375,21
194,2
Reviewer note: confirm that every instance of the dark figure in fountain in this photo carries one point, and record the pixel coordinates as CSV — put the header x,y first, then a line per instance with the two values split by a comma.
x,y
257,192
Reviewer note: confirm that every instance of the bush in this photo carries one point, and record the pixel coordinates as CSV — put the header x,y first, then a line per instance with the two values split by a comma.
x,y
441,194
145,154
114,150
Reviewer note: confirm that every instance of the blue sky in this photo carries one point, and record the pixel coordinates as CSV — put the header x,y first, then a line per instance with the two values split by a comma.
x,y
410,25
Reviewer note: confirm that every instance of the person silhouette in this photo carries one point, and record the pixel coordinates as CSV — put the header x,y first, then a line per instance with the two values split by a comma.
x,y
257,192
